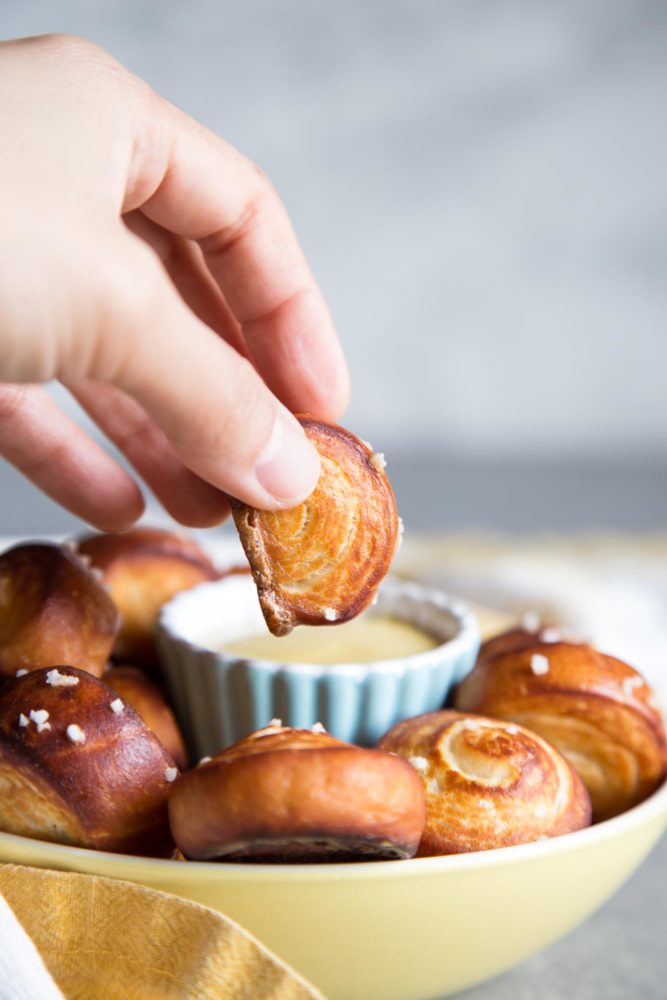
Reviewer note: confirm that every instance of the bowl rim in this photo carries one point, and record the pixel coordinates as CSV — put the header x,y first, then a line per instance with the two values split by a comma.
x,y
467,632
439,865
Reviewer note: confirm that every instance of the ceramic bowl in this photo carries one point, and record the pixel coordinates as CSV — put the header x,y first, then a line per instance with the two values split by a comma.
x,y
399,930
220,697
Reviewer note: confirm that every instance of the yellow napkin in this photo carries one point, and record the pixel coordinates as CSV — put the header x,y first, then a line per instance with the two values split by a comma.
x,y
104,939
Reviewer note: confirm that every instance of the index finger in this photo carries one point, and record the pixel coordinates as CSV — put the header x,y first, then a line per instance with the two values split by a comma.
x,y
195,184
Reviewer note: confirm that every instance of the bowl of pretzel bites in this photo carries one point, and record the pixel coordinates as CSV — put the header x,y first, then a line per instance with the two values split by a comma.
x,y
434,854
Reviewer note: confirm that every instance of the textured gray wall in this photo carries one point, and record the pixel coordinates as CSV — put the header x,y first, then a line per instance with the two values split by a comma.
x,y
481,189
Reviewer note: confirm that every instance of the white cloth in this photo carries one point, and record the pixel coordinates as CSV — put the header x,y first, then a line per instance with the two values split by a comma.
x,y
23,975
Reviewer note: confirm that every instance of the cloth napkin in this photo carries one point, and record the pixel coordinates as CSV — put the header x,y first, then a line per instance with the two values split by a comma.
x,y
105,939
23,975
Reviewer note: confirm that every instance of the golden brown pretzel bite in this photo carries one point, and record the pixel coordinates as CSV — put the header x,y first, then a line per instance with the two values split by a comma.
x,y
320,563
297,795
521,637
143,569
53,609
78,766
148,701
489,783
597,710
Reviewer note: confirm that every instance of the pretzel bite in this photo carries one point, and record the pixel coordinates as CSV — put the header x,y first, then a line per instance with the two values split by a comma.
x,y
143,569
597,710
521,637
78,766
488,783
298,795
52,610
320,563
148,701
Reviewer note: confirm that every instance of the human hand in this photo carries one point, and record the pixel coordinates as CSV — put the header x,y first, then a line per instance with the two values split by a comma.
x,y
150,268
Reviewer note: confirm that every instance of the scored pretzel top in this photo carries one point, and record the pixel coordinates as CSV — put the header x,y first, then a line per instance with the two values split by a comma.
x,y
488,783
321,562
597,710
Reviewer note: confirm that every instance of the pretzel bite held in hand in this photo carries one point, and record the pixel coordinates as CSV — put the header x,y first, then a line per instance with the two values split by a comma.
x,y
597,710
321,563
298,795
488,783
143,569
53,609
148,701
78,766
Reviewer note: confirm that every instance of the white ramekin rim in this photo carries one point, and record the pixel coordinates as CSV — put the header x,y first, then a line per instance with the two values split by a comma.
x,y
176,617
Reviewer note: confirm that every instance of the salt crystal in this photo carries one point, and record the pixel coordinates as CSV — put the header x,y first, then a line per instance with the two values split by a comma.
x,y
170,774
330,614
551,634
56,679
21,673
39,717
539,664
530,621
274,726
23,720
117,706
75,733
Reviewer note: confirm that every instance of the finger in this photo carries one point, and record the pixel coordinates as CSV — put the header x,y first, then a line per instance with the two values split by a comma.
x,y
192,183
184,495
184,263
59,458
213,407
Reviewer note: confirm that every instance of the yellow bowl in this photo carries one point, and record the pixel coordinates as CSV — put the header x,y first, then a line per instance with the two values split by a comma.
x,y
399,930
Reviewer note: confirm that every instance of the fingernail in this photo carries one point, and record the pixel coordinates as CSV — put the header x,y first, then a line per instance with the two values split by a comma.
x,y
289,466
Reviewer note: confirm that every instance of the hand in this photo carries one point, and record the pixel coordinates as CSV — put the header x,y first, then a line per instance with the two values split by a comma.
x,y
150,268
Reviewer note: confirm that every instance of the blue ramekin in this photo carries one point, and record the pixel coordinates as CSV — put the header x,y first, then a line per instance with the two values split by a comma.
x,y
219,697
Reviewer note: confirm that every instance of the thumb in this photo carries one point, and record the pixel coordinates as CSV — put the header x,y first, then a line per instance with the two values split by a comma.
x,y
217,413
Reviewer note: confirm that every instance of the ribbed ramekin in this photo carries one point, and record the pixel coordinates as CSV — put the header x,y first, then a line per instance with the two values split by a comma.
x,y
220,697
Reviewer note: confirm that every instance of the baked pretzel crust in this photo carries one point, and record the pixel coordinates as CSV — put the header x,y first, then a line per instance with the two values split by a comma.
x,y
488,783
296,795
321,563
597,710
75,771
53,609
142,569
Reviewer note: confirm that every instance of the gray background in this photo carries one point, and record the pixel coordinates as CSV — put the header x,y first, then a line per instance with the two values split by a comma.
x,y
481,190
